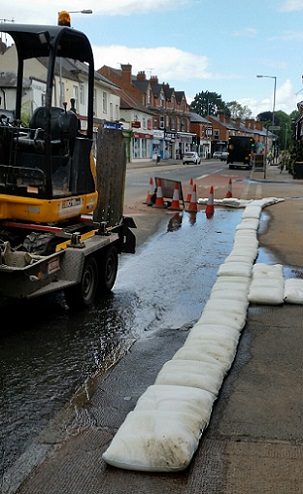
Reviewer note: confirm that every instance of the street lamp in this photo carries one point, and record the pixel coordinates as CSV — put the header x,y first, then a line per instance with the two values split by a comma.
x,y
273,110
85,11
64,20
274,103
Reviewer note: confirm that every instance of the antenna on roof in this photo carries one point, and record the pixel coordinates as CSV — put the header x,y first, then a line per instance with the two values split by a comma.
x,y
150,69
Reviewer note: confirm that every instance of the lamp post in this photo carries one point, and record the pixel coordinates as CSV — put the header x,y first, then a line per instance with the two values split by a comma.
x,y
85,11
274,99
66,21
274,102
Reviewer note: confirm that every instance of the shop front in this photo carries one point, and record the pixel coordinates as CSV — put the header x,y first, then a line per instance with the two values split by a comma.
x,y
184,143
158,144
170,145
141,146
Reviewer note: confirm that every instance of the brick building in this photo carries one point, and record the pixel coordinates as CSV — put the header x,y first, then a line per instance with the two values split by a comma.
x,y
171,116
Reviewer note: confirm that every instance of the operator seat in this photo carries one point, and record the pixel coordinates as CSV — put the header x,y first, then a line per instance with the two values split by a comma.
x,y
34,140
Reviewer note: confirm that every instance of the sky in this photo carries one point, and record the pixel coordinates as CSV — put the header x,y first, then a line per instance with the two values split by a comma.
x,y
193,45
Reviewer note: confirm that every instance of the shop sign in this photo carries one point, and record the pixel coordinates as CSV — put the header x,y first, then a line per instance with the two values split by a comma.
x,y
158,134
112,125
136,125
170,136
140,135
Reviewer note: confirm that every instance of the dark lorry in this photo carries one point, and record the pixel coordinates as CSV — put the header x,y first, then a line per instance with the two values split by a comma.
x,y
240,151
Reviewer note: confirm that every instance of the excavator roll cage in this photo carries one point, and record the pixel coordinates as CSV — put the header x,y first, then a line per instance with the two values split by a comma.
x,y
52,158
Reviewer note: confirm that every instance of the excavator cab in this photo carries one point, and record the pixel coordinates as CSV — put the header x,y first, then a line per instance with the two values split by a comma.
x,y
47,171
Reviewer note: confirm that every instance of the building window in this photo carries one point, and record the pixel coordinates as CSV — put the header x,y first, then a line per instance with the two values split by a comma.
x,y
82,94
143,122
173,123
95,102
161,100
148,96
161,122
216,133
117,112
76,95
62,93
104,100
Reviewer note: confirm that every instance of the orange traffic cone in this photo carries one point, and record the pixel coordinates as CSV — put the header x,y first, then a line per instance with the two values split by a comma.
x,y
159,199
192,217
190,191
193,201
175,204
150,192
229,190
210,209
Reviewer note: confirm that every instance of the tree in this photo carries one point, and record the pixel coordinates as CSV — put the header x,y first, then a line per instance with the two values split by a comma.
x,y
265,117
238,111
207,103
282,120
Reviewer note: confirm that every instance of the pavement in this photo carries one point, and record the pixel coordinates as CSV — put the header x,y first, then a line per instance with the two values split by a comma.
x,y
253,444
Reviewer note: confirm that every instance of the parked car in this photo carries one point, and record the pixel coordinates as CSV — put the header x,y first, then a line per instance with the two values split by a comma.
x,y
224,155
191,157
217,155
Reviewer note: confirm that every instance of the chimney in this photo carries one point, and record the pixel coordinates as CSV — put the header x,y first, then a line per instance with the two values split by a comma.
x,y
126,74
259,125
141,76
154,79
249,123
220,115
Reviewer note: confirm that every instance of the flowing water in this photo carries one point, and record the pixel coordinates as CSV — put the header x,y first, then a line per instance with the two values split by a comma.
x,y
47,352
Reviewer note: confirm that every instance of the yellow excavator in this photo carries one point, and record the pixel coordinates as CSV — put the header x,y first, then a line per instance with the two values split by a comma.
x,y
48,185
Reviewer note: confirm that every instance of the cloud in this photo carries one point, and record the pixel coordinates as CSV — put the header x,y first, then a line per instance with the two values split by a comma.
x,y
291,5
168,63
34,11
250,32
286,100
288,36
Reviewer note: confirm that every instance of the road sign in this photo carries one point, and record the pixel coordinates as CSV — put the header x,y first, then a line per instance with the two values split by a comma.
x,y
274,127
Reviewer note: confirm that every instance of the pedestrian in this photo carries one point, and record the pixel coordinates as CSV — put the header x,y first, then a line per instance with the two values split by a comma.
x,y
283,161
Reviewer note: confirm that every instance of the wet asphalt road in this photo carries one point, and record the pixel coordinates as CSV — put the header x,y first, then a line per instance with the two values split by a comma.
x,y
47,353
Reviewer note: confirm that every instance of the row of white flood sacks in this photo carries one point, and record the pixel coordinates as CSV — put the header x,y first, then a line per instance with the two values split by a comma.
x,y
163,431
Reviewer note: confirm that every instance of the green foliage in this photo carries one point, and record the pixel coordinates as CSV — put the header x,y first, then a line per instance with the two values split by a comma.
x,y
207,103
238,111
284,136
296,155
25,118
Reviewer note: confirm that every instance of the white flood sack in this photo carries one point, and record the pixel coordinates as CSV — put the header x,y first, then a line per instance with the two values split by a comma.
x,y
252,211
267,286
248,224
202,375
235,269
228,319
231,283
293,291
213,331
155,441
164,430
